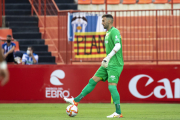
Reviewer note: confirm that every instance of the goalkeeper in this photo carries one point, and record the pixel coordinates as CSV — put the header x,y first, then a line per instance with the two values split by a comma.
x,y
110,69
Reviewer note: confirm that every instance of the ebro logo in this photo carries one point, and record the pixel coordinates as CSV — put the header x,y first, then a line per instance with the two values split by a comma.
x,y
57,91
167,87
56,76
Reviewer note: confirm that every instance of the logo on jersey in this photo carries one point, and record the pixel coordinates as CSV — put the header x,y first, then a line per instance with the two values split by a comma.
x,y
106,38
107,34
112,77
116,38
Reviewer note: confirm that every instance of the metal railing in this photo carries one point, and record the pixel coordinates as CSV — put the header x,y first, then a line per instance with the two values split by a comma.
x,y
0,13
2,10
47,12
147,35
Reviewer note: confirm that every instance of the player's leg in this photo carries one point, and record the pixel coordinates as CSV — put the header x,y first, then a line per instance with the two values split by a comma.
x,y
113,78
88,88
101,74
116,99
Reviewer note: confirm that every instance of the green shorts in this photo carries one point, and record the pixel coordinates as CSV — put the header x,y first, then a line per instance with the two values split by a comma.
x,y
111,73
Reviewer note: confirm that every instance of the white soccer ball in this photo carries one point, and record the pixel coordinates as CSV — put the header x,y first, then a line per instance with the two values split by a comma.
x,y
72,110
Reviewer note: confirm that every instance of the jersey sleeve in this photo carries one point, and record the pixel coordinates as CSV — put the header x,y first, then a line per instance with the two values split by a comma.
x,y
116,37
13,44
24,58
2,46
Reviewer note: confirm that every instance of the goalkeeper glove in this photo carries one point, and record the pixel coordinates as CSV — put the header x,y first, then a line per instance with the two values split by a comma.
x,y
105,61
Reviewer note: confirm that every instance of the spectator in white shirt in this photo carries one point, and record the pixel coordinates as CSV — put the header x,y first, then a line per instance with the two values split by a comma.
x,y
29,57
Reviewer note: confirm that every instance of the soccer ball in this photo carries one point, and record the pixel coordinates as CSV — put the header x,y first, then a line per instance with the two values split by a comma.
x,y
72,110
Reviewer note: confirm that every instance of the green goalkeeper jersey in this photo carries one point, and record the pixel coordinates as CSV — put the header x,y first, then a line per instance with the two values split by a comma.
x,y
112,37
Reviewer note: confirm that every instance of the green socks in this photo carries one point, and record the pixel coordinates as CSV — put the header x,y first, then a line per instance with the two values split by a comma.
x,y
78,98
118,109
116,98
87,89
112,88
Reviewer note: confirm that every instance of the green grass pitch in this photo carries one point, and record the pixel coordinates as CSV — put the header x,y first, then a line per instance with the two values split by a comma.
x,y
89,111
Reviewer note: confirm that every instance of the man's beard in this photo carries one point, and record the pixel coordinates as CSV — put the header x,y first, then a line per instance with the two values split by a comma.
x,y
105,27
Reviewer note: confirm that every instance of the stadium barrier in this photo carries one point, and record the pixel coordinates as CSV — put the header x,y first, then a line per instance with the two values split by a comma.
x,y
50,83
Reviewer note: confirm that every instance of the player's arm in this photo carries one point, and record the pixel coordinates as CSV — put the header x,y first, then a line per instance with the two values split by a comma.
x,y
1,55
116,48
35,59
110,55
11,50
3,69
2,51
116,38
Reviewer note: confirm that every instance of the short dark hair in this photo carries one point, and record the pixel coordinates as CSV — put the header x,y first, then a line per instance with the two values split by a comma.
x,y
31,48
107,16
9,36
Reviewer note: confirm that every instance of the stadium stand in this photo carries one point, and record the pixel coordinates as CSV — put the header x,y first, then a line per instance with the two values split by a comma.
x,y
144,1
25,29
66,4
160,1
84,1
175,1
97,1
113,1
129,1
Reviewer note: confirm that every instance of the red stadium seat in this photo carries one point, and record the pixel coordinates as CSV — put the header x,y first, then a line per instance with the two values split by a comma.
x,y
17,45
97,1
84,1
129,1
175,1
113,1
144,1
4,33
160,1
3,36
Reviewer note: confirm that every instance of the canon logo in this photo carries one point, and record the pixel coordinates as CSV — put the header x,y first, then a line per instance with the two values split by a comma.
x,y
167,87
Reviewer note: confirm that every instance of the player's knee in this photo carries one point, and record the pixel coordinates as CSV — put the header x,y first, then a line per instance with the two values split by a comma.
x,y
92,82
112,87
96,79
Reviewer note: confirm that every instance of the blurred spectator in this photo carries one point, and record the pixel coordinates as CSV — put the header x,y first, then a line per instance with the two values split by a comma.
x,y
8,49
75,1
29,57
18,56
